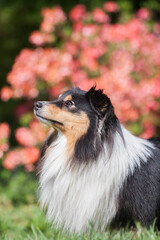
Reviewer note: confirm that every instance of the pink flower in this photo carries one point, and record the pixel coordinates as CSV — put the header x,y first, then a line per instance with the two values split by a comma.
x,y
6,93
23,76
31,155
156,88
1,154
80,79
47,27
72,48
52,17
25,56
23,156
39,38
23,81
78,26
92,53
4,130
157,28
29,167
89,57
89,30
152,105
143,13
111,6
11,159
25,137
114,33
57,89
100,16
39,132
4,146
78,13
149,130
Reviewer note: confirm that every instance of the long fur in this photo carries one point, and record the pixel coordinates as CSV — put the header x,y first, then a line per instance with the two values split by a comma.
x,y
120,184
89,193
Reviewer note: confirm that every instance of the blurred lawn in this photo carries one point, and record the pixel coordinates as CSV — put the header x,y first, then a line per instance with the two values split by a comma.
x,y
21,218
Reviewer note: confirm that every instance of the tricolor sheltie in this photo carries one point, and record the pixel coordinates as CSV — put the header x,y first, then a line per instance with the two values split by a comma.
x,y
92,169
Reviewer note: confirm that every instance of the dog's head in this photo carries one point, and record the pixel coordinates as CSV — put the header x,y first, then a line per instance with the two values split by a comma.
x,y
74,110
85,118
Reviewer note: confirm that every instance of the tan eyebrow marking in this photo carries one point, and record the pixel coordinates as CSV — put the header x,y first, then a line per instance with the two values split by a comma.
x,y
68,98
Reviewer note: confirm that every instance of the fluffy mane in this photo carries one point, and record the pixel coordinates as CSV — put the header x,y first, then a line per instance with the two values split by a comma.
x,y
77,195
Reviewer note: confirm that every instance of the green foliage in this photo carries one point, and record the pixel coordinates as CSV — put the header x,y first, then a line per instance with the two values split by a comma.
x,y
26,119
21,217
18,187
136,128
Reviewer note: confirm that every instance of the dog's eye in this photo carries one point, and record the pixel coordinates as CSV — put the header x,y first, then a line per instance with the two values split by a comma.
x,y
69,103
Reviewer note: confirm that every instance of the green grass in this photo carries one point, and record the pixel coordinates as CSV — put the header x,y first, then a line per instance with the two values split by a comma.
x,y
22,219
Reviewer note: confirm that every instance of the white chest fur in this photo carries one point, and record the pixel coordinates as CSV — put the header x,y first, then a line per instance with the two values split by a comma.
x,y
85,194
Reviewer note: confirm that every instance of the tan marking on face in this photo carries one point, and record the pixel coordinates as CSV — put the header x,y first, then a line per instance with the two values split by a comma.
x,y
68,98
75,125
79,128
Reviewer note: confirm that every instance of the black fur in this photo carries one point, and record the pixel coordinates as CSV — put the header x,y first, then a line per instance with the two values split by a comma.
x,y
100,109
140,195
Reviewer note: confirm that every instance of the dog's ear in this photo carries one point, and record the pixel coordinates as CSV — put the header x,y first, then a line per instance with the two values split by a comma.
x,y
98,100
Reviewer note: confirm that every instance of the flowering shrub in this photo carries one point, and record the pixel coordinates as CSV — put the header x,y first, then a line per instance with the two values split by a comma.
x,y
30,138
83,49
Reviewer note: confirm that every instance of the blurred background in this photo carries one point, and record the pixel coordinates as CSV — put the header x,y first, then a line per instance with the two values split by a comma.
x,y
47,47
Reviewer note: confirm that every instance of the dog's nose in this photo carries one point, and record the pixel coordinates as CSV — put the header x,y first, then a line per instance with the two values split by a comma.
x,y
38,105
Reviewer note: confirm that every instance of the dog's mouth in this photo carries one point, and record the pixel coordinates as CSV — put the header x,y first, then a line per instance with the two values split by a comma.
x,y
43,119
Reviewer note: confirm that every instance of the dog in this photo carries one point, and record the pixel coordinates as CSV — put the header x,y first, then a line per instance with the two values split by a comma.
x,y
93,170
